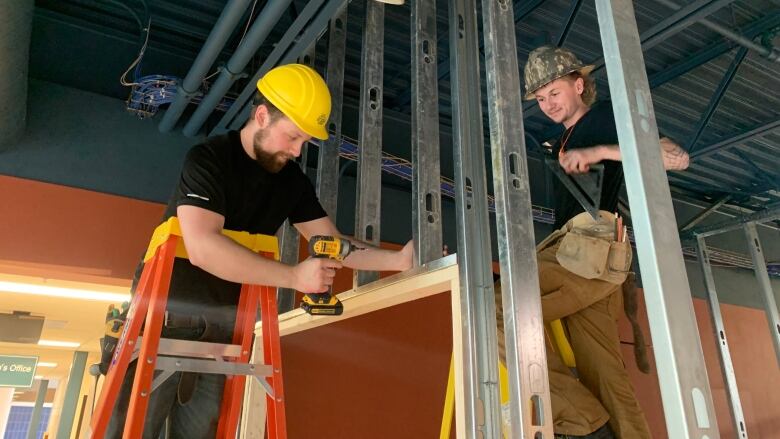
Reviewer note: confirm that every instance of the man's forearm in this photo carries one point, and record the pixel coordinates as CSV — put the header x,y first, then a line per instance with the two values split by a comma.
x,y
674,157
224,258
372,258
608,152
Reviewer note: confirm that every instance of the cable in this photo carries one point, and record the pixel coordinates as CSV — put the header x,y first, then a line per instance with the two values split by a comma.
x,y
246,28
123,78
142,38
248,22
94,370
130,10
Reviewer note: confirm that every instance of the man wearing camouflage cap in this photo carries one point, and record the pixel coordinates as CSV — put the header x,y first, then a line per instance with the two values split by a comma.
x,y
586,304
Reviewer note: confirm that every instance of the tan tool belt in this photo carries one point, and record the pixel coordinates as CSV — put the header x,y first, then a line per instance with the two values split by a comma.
x,y
589,249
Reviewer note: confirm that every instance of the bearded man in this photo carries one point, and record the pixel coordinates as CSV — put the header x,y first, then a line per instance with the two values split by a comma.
x,y
243,181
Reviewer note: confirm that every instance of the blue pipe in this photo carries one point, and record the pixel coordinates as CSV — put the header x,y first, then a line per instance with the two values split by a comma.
x,y
257,34
296,48
216,40
241,106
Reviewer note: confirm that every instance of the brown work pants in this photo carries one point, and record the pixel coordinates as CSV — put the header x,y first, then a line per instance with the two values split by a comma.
x,y
589,310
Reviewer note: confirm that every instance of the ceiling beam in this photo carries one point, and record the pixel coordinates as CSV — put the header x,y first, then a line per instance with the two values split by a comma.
x,y
765,51
771,213
703,200
736,139
716,98
768,180
680,20
699,217
568,23
714,50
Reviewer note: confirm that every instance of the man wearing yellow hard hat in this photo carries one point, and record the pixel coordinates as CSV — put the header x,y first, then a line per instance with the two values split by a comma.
x,y
245,181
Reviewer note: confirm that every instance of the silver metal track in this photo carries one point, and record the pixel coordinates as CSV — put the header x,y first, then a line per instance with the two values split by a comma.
x,y
479,365
682,373
368,192
531,411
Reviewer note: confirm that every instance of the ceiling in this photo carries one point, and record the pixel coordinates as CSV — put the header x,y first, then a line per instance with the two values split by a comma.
x,y
78,321
733,136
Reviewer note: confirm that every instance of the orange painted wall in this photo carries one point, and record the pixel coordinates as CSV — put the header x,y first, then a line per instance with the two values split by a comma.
x,y
752,354
383,372
72,232
758,376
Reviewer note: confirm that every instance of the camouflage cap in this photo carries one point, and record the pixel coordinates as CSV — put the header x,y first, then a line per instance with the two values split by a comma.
x,y
548,63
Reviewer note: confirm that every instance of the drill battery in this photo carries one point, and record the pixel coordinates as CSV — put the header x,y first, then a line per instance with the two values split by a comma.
x,y
322,305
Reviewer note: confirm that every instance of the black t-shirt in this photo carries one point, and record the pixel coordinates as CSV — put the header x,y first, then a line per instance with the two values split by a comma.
x,y
219,176
596,127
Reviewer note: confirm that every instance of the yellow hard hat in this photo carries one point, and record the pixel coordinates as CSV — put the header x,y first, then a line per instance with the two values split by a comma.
x,y
301,94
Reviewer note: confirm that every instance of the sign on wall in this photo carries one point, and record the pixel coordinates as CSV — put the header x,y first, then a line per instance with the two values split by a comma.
x,y
17,371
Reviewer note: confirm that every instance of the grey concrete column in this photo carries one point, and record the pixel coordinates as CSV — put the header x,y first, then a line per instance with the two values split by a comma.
x,y
32,430
70,403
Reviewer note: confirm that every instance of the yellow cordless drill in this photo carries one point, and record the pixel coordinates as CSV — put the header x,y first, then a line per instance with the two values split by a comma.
x,y
333,248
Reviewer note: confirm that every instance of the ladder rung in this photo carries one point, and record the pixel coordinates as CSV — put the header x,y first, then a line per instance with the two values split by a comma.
x,y
159,358
188,348
211,366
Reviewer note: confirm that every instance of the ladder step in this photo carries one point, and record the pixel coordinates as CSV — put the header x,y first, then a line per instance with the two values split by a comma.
x,y
210,366
159,358
189,348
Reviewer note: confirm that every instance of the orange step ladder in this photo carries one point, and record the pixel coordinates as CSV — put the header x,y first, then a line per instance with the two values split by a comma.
x,y
147,309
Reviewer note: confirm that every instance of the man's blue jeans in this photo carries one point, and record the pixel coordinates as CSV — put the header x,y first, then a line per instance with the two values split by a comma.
x,y
195,419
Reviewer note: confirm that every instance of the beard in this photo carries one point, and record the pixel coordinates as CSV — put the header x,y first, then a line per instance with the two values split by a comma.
x,y
271,162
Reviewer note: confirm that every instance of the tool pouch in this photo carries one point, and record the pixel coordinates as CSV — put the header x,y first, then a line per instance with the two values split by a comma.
x,y
551,239
618,262
595,258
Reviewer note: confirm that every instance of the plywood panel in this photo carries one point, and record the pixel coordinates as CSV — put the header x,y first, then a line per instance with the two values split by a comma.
x,y
380,375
